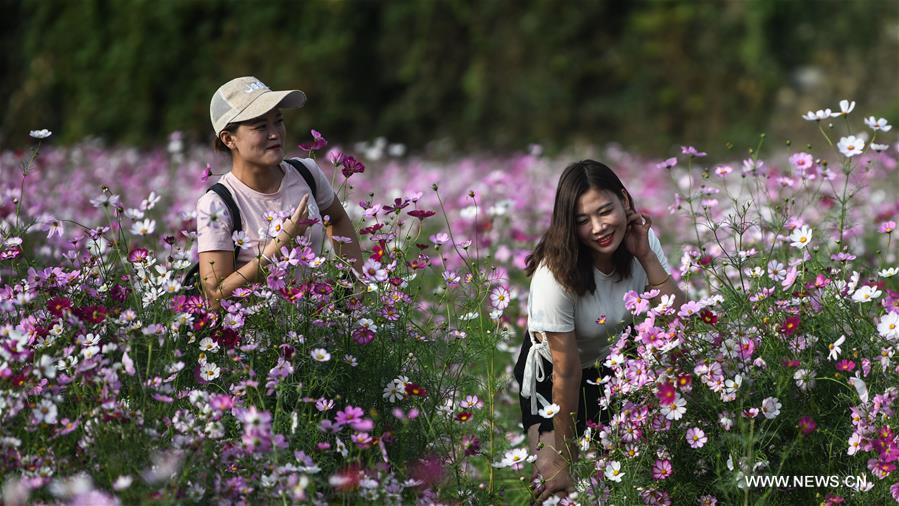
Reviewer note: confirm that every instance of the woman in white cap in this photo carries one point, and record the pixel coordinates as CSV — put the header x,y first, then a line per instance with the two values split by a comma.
x,y
596,249
248,124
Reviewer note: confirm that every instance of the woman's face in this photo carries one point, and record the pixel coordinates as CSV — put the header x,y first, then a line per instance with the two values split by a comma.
x,y
259,141
601,221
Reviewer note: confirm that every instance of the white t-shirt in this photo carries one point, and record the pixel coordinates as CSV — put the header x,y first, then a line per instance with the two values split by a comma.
x,y
551,308
215,235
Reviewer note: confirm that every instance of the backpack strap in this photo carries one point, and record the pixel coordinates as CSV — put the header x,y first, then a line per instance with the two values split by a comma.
x,y
233,210
304,171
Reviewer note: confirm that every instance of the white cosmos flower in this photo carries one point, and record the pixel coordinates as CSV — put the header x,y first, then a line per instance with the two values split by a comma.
x,y
122,482
106,201
275,228
320,355
804,378
866,294
771,407
817,115
207,344
549,411
143,227
860,388
851,146
855,443
880,148
614,360
845,108
888,327
801,237
40,134
209,371
134,214
241,239
835,349
878,124
150,202
394,391
513,458
675,410
90,352
613,471
732,386
45,412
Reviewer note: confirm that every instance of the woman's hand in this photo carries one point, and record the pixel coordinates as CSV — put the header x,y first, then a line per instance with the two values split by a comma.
x,y
290,228
557,480
636,239
297,223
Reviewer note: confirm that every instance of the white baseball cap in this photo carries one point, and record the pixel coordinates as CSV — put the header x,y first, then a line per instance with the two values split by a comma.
x,y
246,98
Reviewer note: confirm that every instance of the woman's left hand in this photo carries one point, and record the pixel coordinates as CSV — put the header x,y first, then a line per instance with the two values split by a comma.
x,y
636,239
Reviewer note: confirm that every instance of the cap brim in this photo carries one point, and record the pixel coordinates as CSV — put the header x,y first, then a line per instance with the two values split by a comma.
x,y
268,101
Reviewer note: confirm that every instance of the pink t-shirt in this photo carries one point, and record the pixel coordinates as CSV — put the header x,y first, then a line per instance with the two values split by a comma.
x,y
257,210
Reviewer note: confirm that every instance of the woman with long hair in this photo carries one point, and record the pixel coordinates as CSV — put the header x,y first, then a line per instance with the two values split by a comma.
x,y
597,248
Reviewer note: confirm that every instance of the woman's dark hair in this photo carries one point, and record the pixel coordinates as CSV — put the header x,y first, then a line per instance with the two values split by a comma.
x,y
217,143
570,261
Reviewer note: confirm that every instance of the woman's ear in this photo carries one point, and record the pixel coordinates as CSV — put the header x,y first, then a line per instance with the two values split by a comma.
x,y
227,139
627,200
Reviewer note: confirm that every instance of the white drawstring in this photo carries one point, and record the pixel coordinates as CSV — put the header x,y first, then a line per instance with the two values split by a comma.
x,y
534,371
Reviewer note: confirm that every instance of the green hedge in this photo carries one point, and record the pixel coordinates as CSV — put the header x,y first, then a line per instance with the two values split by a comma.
x,y
487,74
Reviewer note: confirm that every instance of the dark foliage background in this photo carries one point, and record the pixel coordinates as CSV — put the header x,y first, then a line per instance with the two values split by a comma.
x,y
486,75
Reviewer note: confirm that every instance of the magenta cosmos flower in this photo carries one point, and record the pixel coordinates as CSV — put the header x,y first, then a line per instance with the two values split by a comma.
x,y
807,425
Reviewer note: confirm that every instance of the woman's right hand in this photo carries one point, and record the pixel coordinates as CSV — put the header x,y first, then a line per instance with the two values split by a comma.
x,y
297,223
290,228
557,480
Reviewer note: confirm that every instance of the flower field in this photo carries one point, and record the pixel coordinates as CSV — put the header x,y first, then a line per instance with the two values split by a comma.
x,y
118,386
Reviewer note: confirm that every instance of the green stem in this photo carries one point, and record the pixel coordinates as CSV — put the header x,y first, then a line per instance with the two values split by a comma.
x,y
149,356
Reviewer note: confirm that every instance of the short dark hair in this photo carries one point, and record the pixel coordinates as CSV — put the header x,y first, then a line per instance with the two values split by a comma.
x,y
570,261
217,143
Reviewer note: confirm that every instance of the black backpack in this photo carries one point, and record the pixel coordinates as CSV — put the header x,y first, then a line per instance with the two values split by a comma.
x,y
190,279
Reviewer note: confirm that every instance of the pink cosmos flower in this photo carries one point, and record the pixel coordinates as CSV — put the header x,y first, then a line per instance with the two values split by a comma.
x,y
696,438
894,491
887,227
880,468
690,150
204,177
661,469
747,347
667,164
349,415
685,382
499,298
349,166
708,500
666,394
471,402
635,303
807,425
421,214
802,162
138,255
790,325
689,309
318,142
845,365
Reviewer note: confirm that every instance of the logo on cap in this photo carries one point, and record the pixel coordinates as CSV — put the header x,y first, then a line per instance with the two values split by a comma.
x,y
255,86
